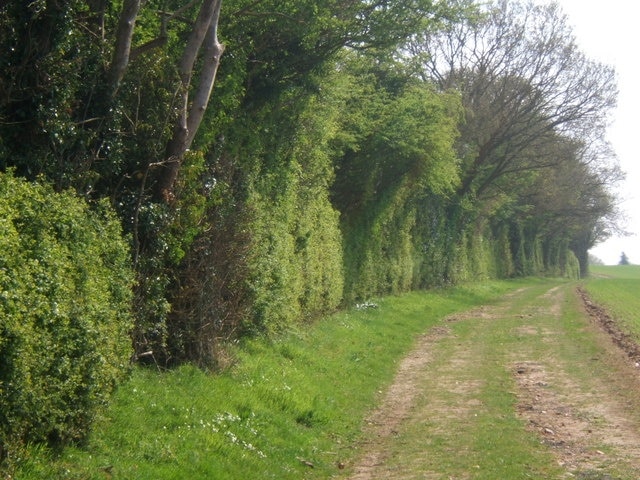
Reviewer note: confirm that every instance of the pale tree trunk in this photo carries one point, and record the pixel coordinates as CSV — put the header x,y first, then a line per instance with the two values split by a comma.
x,y
204,38
122,50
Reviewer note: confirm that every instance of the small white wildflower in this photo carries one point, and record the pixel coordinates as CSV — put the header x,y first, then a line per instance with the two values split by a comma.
x,y
365,305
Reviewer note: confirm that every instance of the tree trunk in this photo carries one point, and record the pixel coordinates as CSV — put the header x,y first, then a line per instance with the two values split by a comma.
x,y
204,37
122,50
583,260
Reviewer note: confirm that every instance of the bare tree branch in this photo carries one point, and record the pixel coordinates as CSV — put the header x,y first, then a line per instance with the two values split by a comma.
x,y
522,79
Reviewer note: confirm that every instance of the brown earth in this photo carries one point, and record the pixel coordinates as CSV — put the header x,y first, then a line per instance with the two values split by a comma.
x,y
398,401
592,430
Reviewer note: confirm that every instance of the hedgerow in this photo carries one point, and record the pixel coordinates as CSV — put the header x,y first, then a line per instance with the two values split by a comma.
x,y
65,294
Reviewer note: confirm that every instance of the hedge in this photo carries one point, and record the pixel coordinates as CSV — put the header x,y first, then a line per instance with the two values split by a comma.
x,y
65,313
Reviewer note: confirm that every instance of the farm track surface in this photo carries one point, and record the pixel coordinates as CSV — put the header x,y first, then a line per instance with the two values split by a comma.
x,y
586,416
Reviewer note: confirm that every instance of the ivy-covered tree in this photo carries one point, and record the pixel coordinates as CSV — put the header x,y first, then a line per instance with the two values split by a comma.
x,y
395,150
528,94
117,101
312,154
567,204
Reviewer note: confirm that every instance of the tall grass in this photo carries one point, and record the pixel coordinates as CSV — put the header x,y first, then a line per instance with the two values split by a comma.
x,y
290,408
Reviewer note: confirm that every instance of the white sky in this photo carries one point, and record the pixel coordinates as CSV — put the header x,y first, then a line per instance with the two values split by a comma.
x,y
607,32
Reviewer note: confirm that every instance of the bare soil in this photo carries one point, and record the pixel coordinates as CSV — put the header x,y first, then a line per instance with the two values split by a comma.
x,y
591,425
399,399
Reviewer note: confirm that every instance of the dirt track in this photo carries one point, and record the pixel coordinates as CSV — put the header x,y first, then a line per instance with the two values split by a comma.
x,y
590,423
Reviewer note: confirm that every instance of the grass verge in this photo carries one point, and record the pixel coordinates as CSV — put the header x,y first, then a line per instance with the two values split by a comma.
x,y
290,408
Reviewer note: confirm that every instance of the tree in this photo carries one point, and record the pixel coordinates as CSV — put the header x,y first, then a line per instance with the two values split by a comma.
x,y
395,162
523,81
192,105
535,115
624,260
116,101
320,133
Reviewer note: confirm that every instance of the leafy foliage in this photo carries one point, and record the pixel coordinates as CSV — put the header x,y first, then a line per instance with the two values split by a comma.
x,y
65,299
535,108
349,148
396,154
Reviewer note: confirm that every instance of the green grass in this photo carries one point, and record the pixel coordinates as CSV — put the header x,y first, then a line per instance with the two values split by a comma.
x,y
290,408
293,407
617,288
616,271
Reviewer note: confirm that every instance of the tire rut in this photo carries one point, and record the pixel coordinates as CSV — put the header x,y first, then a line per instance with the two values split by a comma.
x,y
399,399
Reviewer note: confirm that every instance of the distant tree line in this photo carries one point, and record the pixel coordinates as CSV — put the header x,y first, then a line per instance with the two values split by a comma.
x,y
271,161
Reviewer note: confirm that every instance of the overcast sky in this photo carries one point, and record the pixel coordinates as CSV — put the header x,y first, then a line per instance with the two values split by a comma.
x,y
607,32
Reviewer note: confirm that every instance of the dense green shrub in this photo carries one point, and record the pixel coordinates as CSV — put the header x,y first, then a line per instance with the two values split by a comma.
x,y
269,253
295,270
65,293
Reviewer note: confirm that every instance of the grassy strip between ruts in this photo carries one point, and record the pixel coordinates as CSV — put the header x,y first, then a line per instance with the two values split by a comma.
x,y
289,408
